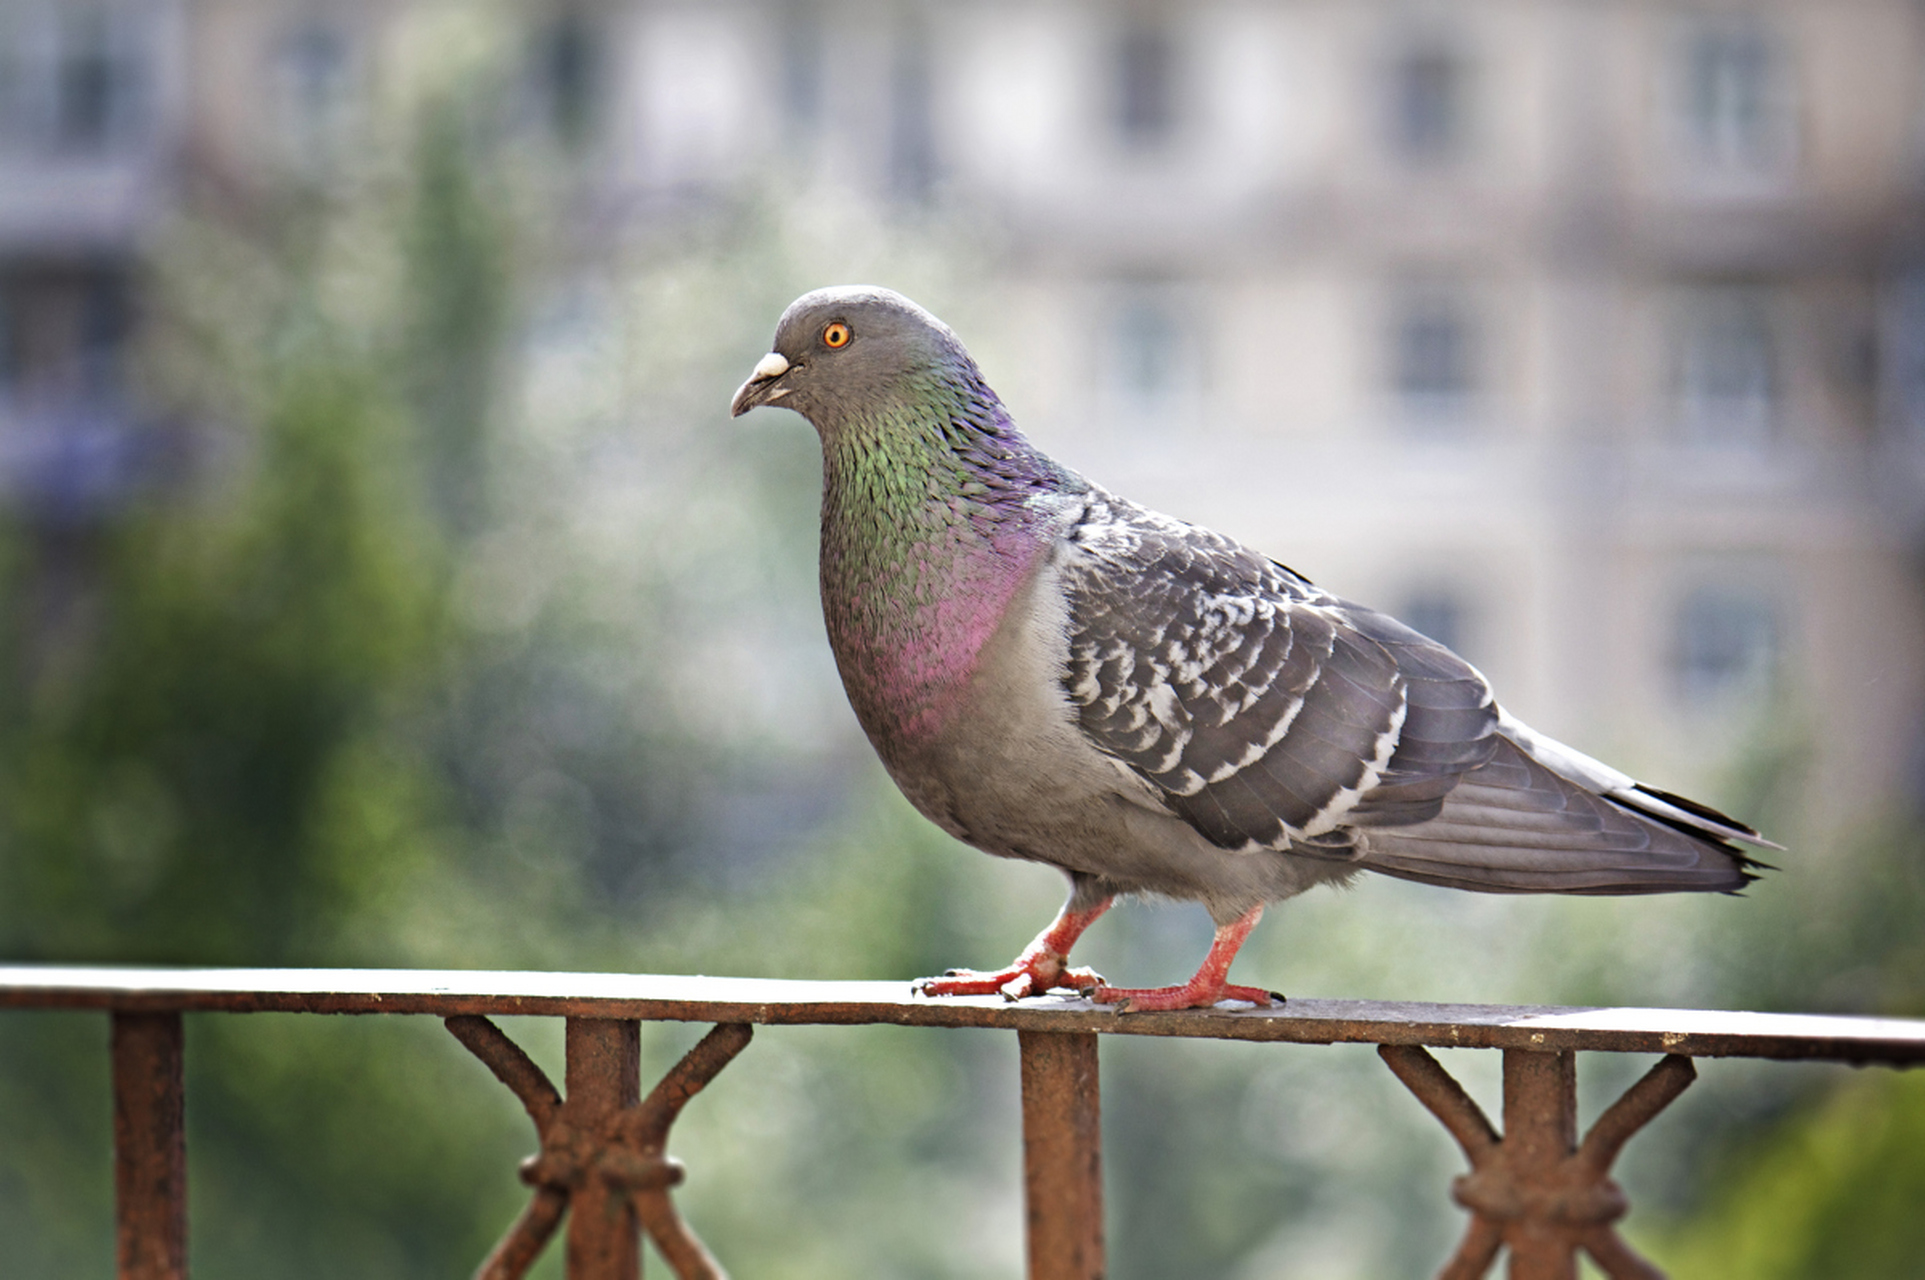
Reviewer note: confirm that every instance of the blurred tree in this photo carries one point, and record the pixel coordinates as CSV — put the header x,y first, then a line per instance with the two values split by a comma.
x,y
1834,1190
232,761
373,678
251,654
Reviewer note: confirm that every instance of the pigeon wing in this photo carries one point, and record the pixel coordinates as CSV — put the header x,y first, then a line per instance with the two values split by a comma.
x,y
1265,712
1272,715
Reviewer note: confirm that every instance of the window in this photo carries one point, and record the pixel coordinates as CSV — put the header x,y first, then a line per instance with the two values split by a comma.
x,y
63,337
1725,379
1914,776
1735,99
912,126
1437,612
73,77
1727,643
63,334
568,78
1433,353
1145,72
96,81
802,55
315,90
1147,350
13,97
105,319
1150,354
1428,104
9,343
1902,360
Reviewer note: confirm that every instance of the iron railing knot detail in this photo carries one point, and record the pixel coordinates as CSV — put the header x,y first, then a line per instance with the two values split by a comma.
x,y
1537,1190
570,1156
602,1154
1569,1195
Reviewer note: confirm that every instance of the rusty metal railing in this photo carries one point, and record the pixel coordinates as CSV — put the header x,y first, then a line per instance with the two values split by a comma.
x,y
1535,1190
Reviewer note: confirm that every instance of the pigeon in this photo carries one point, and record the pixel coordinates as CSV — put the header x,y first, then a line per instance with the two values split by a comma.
x,y
1053,673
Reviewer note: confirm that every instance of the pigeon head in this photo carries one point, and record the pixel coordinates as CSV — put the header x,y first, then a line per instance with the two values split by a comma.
x,y
855,352
935,509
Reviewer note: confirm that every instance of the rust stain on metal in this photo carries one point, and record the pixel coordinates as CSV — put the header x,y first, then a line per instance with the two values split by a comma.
x,y
603,1161
658,997
1062,1155
150,1147
1537,1190
602,1166
603,1081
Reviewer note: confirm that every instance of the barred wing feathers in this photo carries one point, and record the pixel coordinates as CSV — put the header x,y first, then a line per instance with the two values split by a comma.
x,y
1271,715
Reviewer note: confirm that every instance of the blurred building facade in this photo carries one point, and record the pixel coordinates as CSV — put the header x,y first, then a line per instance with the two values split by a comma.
x,y
1586,335
89,114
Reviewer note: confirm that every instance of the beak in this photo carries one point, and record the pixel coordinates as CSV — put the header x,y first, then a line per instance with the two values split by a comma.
x,y
760,388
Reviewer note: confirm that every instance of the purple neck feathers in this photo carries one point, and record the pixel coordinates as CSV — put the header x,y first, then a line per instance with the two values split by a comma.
x,y
936,514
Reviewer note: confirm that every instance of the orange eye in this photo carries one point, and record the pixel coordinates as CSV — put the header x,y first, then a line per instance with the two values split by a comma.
x,y
837,335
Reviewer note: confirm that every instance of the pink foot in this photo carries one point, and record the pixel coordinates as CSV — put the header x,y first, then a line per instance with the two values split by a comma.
x,y
1210,984
1191,995
1028,976
1043,966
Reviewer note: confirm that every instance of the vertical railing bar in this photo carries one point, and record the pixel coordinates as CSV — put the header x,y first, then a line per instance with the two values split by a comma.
x,y
1062,1154
603,1078
150,1147
1540,1134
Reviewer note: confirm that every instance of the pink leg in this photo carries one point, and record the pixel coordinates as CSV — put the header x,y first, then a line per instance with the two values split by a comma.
x,y
1043,966
1208,986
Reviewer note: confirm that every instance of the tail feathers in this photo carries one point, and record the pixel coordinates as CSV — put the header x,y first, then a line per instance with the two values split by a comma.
x,y
1520,824
1596,776
1688,815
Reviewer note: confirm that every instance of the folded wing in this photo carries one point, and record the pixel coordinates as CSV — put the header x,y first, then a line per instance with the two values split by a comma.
x,y
1273,716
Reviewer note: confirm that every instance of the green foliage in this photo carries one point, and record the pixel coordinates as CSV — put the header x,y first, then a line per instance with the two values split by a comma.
x,y
398,671
249,652
56,1135
458,289
1834,1190
233,755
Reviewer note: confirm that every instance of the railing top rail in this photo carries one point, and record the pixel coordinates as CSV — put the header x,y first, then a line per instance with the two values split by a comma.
x,y
770,1001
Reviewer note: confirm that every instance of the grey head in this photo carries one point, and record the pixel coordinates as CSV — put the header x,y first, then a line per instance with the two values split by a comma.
x,y
856,352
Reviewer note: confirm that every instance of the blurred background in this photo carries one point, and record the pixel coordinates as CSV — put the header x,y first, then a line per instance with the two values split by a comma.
x,y
383,583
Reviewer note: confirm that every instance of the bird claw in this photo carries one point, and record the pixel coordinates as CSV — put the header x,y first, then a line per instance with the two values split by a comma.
x,y
1082,981
960,982
1190,996
1028,977
1028,983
